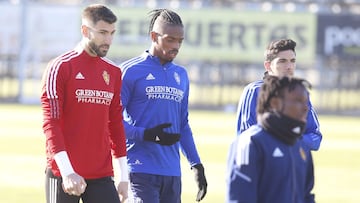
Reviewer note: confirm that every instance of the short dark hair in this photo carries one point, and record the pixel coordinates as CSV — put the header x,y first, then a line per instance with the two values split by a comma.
x,y
97,12
274,86
278,45
168,16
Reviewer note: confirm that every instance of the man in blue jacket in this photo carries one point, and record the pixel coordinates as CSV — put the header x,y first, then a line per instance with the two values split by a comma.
x,y
155,95
280,60
269,162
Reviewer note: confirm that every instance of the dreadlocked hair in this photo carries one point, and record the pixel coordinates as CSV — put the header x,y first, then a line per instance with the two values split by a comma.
x,y
168,16
275,87
276,46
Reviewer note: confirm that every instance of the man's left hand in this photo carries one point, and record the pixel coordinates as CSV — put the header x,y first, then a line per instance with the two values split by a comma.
x,y
200,181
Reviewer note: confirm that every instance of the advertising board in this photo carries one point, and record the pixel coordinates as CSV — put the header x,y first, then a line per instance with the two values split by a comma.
x,y
220,34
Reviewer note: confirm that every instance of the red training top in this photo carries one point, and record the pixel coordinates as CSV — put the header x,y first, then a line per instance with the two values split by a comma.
x,y
82,113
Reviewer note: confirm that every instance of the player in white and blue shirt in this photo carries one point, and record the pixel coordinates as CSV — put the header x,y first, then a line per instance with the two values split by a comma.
x,y
280,60
269,162
154,96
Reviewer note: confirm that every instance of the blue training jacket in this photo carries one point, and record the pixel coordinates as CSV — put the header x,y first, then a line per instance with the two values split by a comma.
x,y
263,169
246,116
153,94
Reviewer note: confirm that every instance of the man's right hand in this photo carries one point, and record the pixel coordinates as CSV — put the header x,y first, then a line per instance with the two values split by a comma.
x,y
157,135
74,184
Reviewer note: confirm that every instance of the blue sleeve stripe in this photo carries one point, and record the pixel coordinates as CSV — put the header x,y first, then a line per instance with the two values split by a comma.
x,y
313,114
128,64
248,106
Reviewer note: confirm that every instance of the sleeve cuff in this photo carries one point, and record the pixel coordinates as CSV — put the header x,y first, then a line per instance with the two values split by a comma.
x,y
124,172
63,162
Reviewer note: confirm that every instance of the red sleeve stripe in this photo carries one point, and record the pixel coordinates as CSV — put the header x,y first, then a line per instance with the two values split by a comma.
x,y
53,70
54,108
109,61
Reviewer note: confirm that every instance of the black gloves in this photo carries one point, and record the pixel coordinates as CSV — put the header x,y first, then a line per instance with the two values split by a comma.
x,y
200,181
157,135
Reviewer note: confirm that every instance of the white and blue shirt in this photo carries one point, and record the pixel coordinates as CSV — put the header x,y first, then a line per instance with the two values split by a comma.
x,y
262,168
246,116
153,94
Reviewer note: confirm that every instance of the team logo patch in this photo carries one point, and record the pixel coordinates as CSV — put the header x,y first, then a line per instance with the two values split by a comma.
x,y
106,77
79,76
277,153
137,162
302,154
150,77
296,130
177,78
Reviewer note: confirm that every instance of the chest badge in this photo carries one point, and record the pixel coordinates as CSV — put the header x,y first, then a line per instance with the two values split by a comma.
x,y
302,154
106,77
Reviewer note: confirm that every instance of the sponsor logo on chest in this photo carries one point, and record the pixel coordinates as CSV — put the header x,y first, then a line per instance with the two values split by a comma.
x,y
94,96
164,91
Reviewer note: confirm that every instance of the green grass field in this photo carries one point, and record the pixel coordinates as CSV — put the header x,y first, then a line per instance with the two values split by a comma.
x,y
337,164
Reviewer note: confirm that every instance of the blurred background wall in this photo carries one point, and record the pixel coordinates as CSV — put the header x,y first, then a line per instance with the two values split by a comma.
x,y
223,46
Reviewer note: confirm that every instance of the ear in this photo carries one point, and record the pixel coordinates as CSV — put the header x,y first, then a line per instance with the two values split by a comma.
x,y
85,31
267,66
153,36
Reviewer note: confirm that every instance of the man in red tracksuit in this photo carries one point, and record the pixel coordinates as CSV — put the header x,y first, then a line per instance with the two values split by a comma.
x,y
83,117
